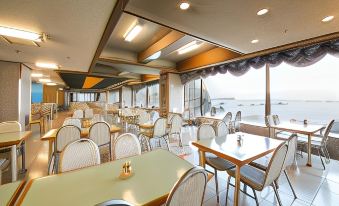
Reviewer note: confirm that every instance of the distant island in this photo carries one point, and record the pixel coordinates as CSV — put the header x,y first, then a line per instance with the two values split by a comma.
x,y
227,98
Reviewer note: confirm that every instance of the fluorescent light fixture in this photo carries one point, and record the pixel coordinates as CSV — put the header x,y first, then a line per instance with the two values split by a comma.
x,y
44,80
262,12
155,55
188,47
47,65
36,75
254,41
184,5
10,32
51,84
132,32
327,19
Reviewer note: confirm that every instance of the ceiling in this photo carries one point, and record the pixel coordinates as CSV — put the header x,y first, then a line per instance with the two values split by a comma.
x,y
234,24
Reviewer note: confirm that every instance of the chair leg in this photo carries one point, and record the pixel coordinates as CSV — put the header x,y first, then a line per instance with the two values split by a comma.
x,y
322,162
255,197
289,182
227,187
326,154
216,184
276,193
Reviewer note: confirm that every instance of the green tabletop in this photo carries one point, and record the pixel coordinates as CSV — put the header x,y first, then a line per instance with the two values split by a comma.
x,y
9,191
12,138
155,173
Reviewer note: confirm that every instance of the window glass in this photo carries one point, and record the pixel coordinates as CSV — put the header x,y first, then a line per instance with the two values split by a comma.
x,y
153,95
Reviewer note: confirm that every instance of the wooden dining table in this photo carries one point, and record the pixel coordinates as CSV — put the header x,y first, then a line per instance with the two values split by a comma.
x,y
299,128
12,139
154,175
51,135
10,192
241,152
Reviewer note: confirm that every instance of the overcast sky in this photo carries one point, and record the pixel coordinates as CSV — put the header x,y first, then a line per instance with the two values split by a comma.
x,y
319,81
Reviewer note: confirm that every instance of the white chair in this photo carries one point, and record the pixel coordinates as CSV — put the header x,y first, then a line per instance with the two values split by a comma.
x,y
206,131
236,124
96,118
10,126
100,133
175,127
78,113
72,122
111,119
221,129
158,138
65,135
89,113
126,145
79,154
228,120
144,117
189,189
154,115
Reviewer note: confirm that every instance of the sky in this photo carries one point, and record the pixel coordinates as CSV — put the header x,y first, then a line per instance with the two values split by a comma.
x,y
319,81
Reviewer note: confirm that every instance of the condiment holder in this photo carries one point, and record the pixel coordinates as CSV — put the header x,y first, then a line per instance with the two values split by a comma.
x,y
126,171
239,139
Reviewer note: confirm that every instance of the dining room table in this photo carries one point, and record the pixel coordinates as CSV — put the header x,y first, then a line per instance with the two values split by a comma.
x,y
239,148
153,176
10,192
12,140
308,129
51,135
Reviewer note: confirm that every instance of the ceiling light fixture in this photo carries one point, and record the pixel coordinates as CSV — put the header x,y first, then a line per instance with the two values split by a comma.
x,y
36,75
16,33
47,65
154,56
262,12
327,19
132,32
45,80
254,41
184,5
51,84
188,47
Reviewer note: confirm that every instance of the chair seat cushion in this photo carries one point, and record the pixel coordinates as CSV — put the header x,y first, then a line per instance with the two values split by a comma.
x,y
251,176
218,163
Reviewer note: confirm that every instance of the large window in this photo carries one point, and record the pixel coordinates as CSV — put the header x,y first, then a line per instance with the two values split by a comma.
x,y
153,95
306,92
113,96
244,93
83,96
140,95
197,100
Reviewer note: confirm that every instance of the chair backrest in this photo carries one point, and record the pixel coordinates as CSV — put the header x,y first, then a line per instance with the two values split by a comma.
x,y
72,121
269,121
159,129
111,119
327,132
176,124
221,129
78,113
237,121
205,131
169,117
96,118
100,133
144,116
65,135
189,189
79,154
126,145
276,119
154,115
89,113
10,126
228,118
126,112
291,150
276,164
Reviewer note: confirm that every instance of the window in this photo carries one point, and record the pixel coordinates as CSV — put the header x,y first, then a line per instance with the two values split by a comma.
x,y
113,96
37,92
306,92
83,97
197,100
153,95
140,95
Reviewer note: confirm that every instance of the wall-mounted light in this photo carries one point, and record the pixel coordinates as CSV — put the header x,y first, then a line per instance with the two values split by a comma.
x,y
189,47
47,65
16,33
36,75
44,80
51,84
132,32
154,56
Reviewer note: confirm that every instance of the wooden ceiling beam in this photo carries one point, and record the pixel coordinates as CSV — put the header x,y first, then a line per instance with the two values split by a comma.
x,y
206,58
164,42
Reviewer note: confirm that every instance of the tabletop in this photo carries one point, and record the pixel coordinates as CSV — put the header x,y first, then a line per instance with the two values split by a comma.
x,y
9,192
248,149
155,173
13,138
146,126
298,128
51,134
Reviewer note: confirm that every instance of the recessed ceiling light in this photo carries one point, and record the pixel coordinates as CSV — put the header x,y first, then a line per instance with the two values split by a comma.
x,y
132,32
262,12
36,75
188,47
327,19
184,5
44,80
254,41
47,65
155,56
16,33
51,84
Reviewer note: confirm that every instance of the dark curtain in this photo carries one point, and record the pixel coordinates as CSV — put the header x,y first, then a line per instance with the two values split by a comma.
x,y
300,57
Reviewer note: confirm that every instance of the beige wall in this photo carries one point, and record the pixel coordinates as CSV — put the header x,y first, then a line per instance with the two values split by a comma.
x,y
176,94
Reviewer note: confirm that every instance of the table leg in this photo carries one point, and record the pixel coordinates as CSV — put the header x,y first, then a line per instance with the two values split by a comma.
x,y
13,163
237,186
202,159
50,149
309,154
